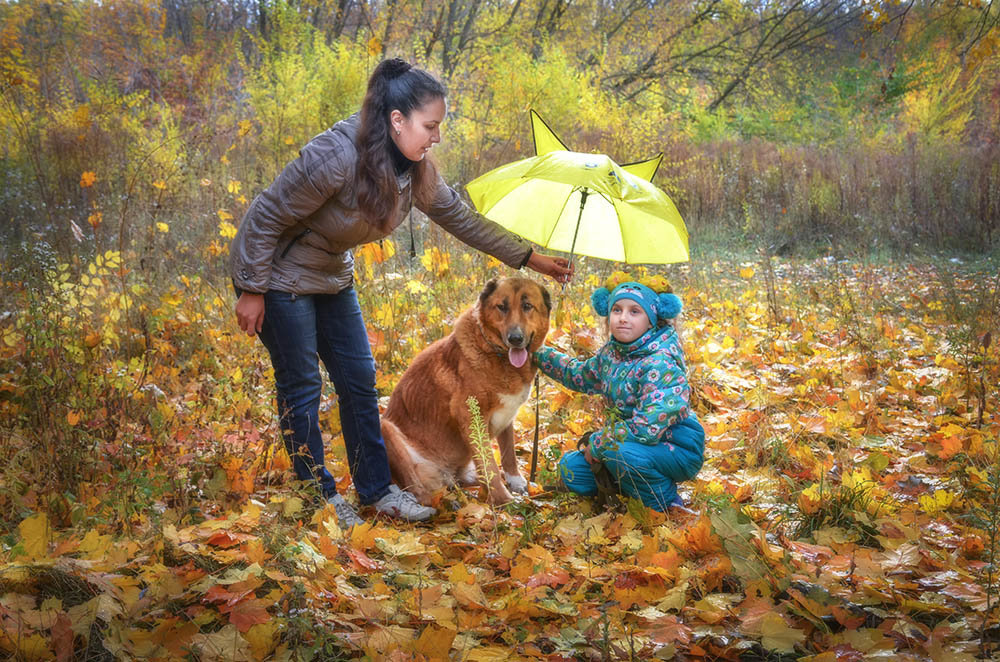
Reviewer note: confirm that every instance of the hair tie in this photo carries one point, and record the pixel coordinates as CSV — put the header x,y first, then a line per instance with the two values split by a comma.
x,y
394,67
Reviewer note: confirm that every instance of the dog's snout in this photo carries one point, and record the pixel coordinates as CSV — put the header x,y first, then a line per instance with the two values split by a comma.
x,y
515,336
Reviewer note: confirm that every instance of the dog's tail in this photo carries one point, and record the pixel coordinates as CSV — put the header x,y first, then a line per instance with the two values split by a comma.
x,y
404,463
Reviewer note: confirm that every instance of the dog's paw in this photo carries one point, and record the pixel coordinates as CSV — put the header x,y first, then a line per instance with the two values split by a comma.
x,y
499,497
467,475
516,483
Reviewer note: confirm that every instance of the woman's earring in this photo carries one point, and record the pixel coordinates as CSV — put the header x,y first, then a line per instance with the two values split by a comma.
x,y
397,132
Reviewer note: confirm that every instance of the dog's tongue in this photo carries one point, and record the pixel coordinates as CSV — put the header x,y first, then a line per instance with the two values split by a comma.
x,y
517,356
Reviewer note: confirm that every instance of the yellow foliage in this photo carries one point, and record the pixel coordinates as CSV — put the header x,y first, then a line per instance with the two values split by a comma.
x,y
939,502
942,110
227,229
436,261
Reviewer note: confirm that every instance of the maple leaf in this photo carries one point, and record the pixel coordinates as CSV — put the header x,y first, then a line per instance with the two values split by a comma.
x,y
263,638
362,561
696,538
669,630
776,635
901,560
225,539
939,502
950,446
88,178
554,577
225,645
247,613
435,642
848,617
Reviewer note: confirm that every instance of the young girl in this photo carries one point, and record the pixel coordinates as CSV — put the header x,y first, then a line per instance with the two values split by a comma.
x,y
651,439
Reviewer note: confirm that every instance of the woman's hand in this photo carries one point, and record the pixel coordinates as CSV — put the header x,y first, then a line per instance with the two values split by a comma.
x,y
250,312
558,268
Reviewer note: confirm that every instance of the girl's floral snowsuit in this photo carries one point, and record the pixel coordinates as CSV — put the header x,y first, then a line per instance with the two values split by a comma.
x,y
651,439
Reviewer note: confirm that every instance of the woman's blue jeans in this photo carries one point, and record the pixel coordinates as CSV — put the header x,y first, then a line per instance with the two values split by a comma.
x,y
297,329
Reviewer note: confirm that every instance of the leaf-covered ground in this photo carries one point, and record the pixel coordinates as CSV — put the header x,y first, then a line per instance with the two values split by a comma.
x,y
847,510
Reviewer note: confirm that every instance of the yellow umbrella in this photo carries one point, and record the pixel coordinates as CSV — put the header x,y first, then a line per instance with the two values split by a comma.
x,y
576,202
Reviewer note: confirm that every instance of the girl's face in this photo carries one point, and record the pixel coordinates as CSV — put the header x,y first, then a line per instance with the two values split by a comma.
x,y
415,135
628,320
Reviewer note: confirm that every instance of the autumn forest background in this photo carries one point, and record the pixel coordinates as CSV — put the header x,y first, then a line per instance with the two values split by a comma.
x,y
838,167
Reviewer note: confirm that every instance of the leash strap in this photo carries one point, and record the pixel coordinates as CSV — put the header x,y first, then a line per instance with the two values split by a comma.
x,y
534,444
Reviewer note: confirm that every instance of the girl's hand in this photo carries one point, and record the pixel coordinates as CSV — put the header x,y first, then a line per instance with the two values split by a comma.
x,y
250,312
587,455
558,268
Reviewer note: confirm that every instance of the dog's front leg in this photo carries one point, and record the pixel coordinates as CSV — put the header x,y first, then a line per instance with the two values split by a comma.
x,y
489,476
482,455
513,478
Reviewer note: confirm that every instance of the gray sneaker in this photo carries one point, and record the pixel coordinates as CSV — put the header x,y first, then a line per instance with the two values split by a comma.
x,y
403,505
347,516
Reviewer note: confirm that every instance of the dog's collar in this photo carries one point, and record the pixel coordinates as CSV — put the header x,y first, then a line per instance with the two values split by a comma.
x,y
497,349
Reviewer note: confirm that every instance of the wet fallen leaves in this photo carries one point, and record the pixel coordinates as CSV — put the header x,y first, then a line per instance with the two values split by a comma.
x,y
847,510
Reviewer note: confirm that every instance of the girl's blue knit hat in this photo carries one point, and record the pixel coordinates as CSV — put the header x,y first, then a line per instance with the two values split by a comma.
x,y
662,306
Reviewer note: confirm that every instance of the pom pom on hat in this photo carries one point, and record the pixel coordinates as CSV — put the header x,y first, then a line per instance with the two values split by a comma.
x,y
668,306
599,300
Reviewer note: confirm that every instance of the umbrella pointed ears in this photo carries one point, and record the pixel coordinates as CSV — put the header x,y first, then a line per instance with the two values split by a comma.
x,y
644,169
545,138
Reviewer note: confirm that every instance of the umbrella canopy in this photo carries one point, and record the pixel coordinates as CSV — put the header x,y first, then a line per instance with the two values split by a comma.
x,y
583,203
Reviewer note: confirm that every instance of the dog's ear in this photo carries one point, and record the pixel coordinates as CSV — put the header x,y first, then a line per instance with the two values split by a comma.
x,y
547,298
491,285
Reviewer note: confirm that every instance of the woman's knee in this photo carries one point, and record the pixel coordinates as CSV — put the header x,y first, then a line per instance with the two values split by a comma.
x,y
301,390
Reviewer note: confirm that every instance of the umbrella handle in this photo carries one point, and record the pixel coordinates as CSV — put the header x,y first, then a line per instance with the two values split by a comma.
x,y
584,192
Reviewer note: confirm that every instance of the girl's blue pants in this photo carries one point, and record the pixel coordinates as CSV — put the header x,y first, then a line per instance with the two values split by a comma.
x,y
648,473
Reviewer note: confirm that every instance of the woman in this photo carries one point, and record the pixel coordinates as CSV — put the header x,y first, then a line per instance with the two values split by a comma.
x,y
292,268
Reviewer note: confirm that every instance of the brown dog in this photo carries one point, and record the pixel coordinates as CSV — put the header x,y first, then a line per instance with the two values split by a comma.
x,y
487,355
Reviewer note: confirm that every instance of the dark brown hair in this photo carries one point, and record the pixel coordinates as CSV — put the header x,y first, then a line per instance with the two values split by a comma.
x,y
394,85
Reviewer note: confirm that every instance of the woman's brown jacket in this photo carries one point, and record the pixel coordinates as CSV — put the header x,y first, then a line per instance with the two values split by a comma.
x,y
298,233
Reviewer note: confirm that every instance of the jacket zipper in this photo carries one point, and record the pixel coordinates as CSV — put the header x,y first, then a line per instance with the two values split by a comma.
x,y
292,242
